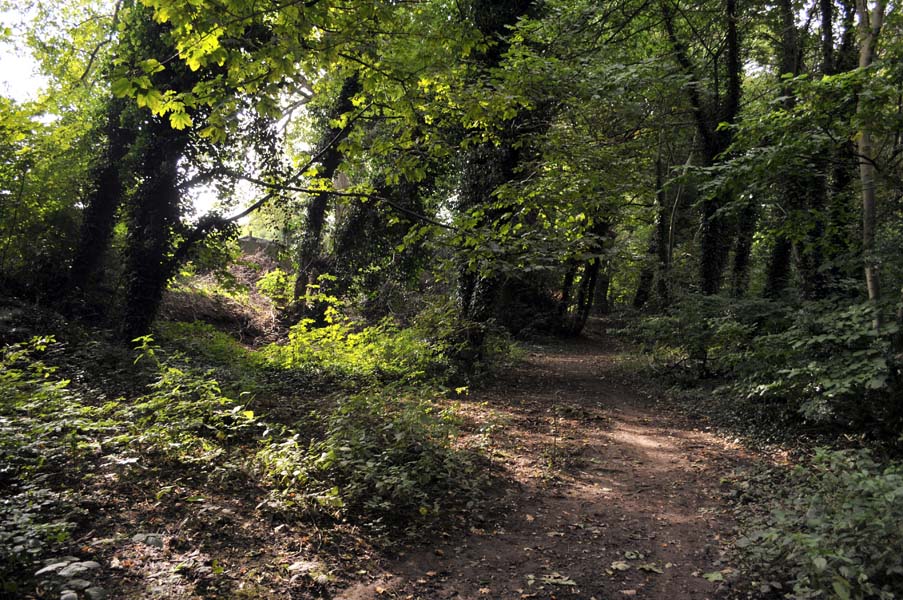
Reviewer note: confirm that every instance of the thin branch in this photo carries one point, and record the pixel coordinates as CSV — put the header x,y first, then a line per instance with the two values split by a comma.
x,y
363,195
101,44
212,221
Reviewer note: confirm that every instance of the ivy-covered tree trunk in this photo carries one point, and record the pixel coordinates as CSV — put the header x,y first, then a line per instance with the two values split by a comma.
x,y
746,229
715,235
309,259
369,233
777,274
104,199
603,286
486,167
153,217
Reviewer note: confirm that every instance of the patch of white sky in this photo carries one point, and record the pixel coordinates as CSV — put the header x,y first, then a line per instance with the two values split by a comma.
x,y
19,75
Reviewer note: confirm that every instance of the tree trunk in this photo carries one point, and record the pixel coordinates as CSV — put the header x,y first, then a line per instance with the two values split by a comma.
x,y
153,216
602,302
566,288
778,274
714,242
746,229
663,234
869,29
103,200
309,251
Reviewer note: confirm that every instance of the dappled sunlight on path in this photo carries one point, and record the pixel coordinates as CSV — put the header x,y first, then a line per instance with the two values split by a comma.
x,y
611,496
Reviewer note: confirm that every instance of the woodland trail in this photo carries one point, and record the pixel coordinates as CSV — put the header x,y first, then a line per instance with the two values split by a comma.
x,y
610,496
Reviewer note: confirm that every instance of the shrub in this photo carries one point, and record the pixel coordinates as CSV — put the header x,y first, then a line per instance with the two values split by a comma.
x,y
829,361
383,455
185,414
824,359
836,531
278,287
709,335
341,348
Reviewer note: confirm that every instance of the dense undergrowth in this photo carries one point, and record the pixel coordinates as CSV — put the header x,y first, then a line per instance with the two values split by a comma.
x,y
376,442
831,527
821,361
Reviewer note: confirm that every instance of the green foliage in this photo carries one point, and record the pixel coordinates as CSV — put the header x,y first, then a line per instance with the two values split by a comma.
x,y
835,531
278,286
233,365
344,349
50,433
385,454
33,440
185,415
829,360
823,358
708,335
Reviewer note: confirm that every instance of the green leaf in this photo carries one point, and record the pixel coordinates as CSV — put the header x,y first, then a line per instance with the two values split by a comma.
x,y
841,588
181,120
122,87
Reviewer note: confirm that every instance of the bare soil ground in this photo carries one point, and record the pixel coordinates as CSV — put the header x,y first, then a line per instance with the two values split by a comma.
x,y
610,495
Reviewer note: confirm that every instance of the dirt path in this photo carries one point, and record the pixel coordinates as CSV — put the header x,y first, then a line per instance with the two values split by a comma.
x,y
611,497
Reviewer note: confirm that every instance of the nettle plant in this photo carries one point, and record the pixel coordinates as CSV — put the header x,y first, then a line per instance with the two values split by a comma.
x,y
185,415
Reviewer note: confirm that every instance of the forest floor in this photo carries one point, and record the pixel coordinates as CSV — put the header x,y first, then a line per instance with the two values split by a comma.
x,y
599,487
611,494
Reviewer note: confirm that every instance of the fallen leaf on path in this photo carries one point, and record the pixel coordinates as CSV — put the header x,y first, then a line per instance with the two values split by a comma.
x,y
650,567
620,565
714,576
558,579
629,592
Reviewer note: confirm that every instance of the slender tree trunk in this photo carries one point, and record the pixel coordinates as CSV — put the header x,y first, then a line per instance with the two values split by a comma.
x,y
663,233
778,274
869,29
567,287
602,302
746,229
827,36
644,283
586,294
